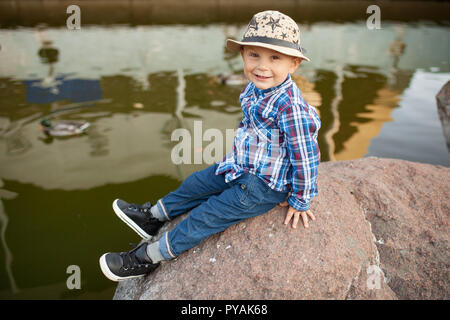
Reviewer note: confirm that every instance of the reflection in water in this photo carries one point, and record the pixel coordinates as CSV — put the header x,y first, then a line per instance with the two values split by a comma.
x,y
16,142
396,50
335,125
48,55
52,88
98,141
417,119
386,99
310,95
379,113
178,114
7,195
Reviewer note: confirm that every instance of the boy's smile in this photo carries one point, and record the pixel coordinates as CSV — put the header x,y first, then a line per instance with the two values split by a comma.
x,y
267,68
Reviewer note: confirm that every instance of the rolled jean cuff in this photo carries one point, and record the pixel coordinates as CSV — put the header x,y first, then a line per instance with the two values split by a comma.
x,y
162,210
164,247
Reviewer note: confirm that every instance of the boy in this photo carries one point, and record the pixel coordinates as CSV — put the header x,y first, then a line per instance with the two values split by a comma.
x,y
274,159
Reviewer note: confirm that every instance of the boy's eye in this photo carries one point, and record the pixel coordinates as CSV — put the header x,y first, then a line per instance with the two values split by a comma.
x,y
275,57
253,54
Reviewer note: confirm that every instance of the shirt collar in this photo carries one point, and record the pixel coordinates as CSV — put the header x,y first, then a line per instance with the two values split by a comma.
x,y
268,92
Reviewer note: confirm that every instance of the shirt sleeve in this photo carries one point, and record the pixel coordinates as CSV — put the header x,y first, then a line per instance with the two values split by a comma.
x,y
300,126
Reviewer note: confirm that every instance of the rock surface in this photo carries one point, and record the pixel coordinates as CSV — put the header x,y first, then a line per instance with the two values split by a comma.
x,y
443,106
381,232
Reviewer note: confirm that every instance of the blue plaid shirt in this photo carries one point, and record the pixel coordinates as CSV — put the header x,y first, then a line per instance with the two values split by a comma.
x,y
277,141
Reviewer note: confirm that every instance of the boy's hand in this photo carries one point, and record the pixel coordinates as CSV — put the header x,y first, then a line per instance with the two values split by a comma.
x,y
296,214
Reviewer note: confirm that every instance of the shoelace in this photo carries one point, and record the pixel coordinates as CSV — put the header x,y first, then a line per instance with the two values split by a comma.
x,y
144,208
130,261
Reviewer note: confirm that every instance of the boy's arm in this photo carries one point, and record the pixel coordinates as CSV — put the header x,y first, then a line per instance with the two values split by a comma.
x,y
300,129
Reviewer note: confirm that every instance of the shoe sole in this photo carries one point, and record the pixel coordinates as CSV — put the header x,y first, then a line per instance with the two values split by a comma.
x,y
111,276
130,222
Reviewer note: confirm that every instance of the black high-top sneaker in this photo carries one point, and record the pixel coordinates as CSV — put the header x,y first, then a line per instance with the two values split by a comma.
x,y
118,266
138,218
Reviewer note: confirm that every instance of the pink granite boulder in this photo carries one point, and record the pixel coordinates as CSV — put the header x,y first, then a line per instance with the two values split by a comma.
x,y
381,232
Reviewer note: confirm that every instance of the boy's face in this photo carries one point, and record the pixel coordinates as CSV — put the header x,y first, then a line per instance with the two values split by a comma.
x,y
267,68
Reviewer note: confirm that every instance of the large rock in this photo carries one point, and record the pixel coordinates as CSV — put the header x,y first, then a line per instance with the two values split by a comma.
x,y
381,232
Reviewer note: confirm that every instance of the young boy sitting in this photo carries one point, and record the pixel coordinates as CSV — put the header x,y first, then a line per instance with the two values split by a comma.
x,y
274,159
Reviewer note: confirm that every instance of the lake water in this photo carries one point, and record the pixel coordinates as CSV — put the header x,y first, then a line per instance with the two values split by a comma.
x,y
136,84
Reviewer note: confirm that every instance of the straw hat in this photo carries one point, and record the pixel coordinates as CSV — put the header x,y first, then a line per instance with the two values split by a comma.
x,y
273,30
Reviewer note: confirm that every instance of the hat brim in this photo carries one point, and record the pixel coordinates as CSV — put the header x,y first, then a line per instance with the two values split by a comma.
x,y
235,46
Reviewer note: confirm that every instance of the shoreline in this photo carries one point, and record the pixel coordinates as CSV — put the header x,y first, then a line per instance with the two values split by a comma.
x,y
140,12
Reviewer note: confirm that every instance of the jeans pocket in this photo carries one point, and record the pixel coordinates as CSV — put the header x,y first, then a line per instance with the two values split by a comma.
x,y
242,192
250,190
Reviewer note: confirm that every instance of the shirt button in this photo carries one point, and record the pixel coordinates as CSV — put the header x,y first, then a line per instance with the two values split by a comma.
x,y
243,186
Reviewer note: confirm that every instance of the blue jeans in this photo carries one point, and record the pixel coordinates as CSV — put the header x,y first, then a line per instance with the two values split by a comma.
x,y
215,205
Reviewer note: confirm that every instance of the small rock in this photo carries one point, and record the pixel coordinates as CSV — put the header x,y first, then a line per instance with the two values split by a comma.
x,y
443,106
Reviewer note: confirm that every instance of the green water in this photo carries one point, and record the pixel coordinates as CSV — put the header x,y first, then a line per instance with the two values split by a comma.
x,y
135,85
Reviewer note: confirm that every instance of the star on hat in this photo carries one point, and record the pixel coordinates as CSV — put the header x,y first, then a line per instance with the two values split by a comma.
x,y
253,24
273,23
